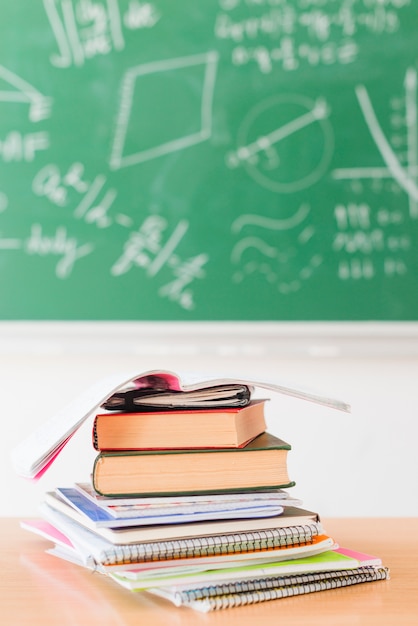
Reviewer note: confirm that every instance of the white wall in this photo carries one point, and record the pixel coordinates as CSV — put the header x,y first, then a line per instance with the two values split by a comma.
x,y
363,464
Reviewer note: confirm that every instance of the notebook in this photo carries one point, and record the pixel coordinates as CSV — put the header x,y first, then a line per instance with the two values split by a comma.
x,y
291,516
95,551
242,593
102,517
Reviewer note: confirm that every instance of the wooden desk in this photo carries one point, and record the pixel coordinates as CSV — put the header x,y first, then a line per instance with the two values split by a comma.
x,y
37,588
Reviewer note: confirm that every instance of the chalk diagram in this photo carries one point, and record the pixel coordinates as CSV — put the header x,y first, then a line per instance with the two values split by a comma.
x,y
280,265
20,91
179,93
275,139
15,89
404,171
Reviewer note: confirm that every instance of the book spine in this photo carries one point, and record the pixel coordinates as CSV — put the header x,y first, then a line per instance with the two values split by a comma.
x,y
232,543
95,439
253,592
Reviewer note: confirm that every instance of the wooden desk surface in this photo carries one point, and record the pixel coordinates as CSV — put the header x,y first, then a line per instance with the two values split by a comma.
x,y
37,588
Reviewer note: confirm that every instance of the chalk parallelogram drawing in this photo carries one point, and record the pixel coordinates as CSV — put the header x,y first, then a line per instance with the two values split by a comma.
x,y
179,94
404,173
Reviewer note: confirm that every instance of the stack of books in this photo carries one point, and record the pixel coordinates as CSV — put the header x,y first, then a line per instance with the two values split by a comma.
x,y
188,497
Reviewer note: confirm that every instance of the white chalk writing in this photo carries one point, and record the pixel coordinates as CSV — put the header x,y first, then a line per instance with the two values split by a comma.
x,y
146,249
185,272
226,116
59,244
84,29
20,91
96,201
401,169
292,33
255,254
17,147
363,245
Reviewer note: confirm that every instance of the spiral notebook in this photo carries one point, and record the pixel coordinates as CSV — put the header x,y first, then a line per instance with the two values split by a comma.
x,y
238,576
241,593
95,552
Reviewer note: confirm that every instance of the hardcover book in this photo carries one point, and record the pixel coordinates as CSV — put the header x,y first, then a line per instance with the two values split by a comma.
x,y
33,456
260,464
205,428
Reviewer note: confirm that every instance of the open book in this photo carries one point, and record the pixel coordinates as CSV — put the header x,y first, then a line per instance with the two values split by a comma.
x,y
32,457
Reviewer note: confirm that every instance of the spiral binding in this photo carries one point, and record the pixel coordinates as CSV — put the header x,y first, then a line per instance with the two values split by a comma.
x,y
232,543
252,592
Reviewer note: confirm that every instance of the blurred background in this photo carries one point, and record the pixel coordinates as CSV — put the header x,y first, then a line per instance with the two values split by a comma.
x,y
228,187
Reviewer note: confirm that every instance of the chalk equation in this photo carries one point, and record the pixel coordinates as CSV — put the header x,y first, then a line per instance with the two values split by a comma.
x,y
84,29
287,35
364,244
16,145
94,198
59,244
146,249
367,242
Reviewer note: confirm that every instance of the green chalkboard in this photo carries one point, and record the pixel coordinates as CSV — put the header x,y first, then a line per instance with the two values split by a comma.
x,y
209,160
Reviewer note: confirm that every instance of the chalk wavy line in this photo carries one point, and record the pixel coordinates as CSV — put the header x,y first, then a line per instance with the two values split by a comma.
x,y
271,224
252,242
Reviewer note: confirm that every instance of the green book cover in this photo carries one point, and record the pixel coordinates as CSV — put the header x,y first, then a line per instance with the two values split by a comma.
x,y
261,464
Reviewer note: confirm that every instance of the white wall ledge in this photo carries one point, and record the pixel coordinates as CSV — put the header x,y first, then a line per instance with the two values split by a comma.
x,y
256,339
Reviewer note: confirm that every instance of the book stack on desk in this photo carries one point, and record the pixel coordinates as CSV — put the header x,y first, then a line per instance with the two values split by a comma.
x,y
188,500
187,450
